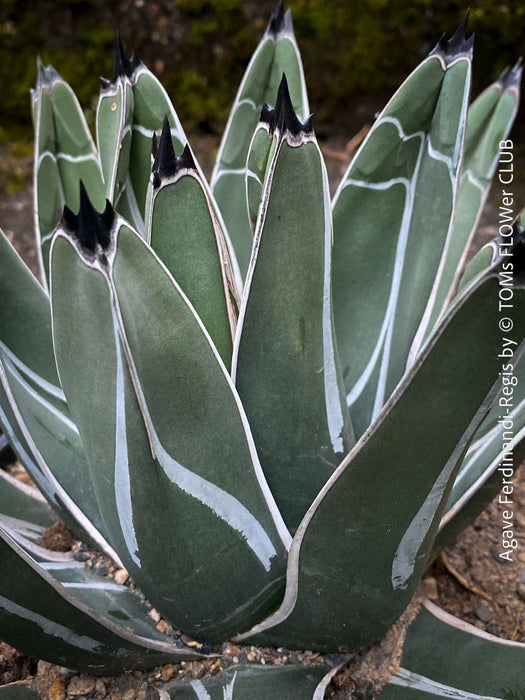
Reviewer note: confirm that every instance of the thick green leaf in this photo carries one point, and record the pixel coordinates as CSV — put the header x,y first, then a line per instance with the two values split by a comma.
x,y
392,213
489,120
186,235
33,412
255,683
64,154
285,364
277,53
446,657
42,618
22,690
184,506
151,106
363,545
114,135
23,509
259,155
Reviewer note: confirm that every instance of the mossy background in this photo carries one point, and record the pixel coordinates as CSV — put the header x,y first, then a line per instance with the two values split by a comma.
x,y
200,48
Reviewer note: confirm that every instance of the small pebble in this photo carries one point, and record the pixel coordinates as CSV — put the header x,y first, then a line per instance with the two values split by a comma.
x,y
100,688
57,689
80,556
80,685
520,590
101,570
483,612
162,626
430,589
121,576
155,616
129,694
521,574
167,672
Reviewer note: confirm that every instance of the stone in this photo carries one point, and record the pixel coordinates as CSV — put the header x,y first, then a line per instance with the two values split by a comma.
x,y
520,590
430,589
483,612
80,685
121,576
167,672
57,689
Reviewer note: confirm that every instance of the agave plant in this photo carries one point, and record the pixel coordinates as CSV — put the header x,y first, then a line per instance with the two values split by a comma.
x,y
274,460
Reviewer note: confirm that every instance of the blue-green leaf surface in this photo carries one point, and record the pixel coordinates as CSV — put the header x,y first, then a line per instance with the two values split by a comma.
x,y
42,618
362,547
33,410
444,657
184,506
184,232
392,214
64,154
285,363
489,120
255,683
277,53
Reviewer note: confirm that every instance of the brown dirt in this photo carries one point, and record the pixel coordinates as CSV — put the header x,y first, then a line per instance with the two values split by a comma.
x,y
475,583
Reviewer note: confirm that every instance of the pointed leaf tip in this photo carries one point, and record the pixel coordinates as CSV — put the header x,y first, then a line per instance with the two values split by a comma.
x,y
458,44
166,164
92,229
46,75
284,117
122,66
280,22
512,78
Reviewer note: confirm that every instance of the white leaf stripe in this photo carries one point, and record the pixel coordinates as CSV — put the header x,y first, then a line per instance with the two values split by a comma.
x,y
278,521
408,679
50,627
44,477
223,504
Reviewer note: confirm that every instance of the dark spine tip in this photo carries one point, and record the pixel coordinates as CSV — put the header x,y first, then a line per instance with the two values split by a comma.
x,y
512,78
122,65
186,159
154,146
165,163
277,19
104,83
46,75
280,22
284,117
458,44
90,227
266,114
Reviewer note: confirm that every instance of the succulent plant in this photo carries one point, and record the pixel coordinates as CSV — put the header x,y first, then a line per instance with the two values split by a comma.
x,y
274,461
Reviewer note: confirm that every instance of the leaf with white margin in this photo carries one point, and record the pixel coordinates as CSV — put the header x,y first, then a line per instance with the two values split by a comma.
x,y
362,547
392,214
500,440
184,232
445,657
285,363
489,121
31,390
114,135
277,53
21,690
64,154
256,683
41,617
23,502
185,506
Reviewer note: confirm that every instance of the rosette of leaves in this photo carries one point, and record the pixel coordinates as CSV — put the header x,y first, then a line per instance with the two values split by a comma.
x,y
277,460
